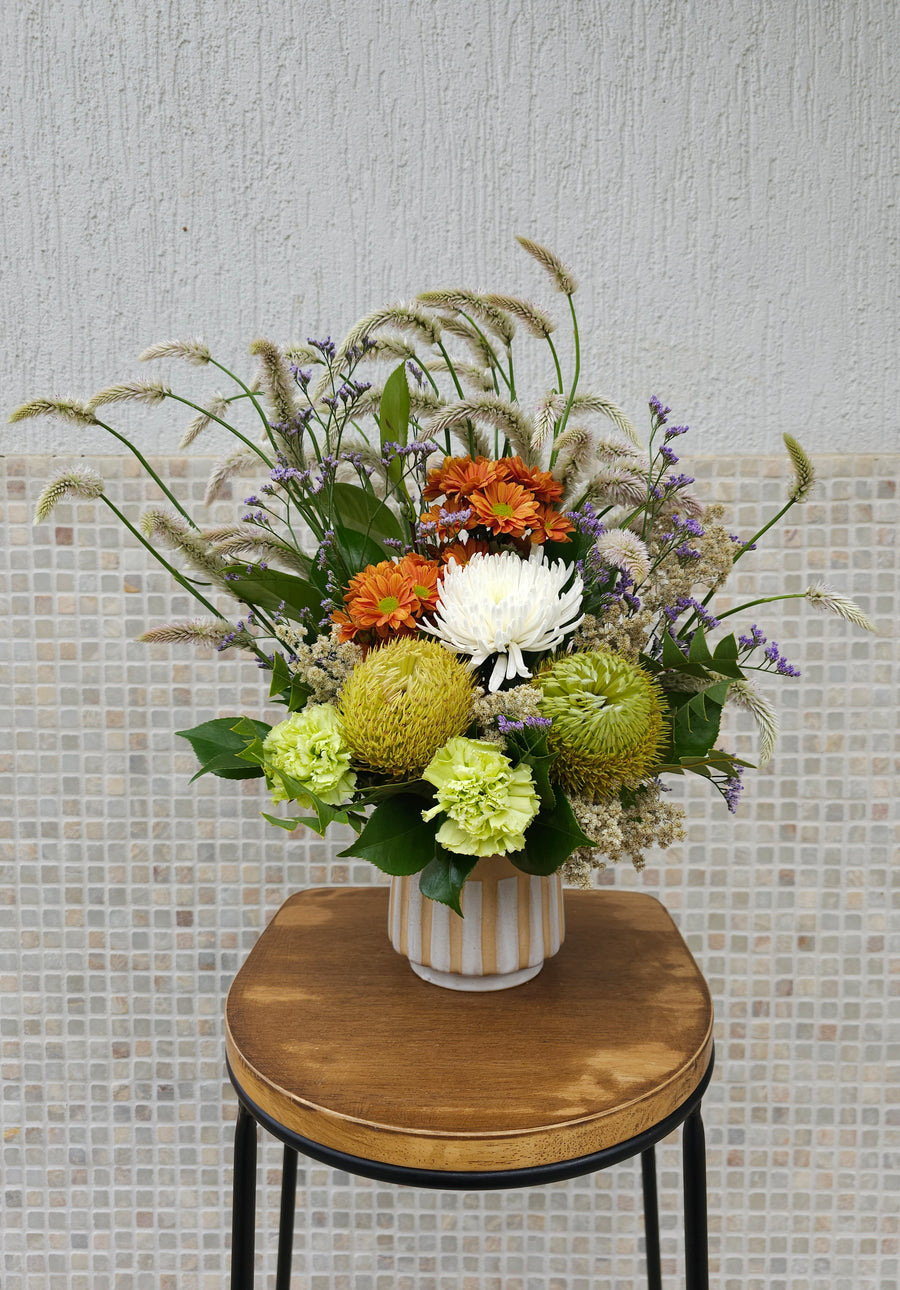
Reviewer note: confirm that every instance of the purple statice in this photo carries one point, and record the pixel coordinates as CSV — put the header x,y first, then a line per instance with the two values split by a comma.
x,y
455,519
778,661
673,432
672,612
256,517
667,455
416,372
506,726
284,472
324,547
756,638
732,788
747,546
685,552
266,663
674,482
587,521
325,347
658,411
302,377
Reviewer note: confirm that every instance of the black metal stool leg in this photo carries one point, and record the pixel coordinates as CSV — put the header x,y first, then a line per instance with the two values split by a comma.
x,y
286,1225
695,1232
651,1218
243,1215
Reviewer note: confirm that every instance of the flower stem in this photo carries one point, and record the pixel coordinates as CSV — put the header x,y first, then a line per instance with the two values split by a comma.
x,y
561,424
150,471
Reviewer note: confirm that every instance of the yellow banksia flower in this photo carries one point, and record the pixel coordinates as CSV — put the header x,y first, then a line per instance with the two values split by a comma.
x,y
402,703
608,725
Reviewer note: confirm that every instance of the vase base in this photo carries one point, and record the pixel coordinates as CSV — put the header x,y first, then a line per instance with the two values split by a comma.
x,y
457,981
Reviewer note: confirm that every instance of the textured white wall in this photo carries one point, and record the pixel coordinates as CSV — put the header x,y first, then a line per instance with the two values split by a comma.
x,y
723,177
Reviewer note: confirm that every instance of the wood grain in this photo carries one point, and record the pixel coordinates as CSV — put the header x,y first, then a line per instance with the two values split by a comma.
x,y
330,1032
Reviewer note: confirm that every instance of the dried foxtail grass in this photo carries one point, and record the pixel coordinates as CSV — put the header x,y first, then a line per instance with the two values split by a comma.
x,y
402,317
624,550
75,481
149,392
823,597
479,378
157,523
743,695
192,351
209,633
217,407
240,462
616,485
583,403
549,410
275,378
534,320
422,400
804,471
561,275
479,346
506,417
460,301
63,409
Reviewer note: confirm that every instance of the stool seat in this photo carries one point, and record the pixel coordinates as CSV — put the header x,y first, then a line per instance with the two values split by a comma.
x,y
332,1036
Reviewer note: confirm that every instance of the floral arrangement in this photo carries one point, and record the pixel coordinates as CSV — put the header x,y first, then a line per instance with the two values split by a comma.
x,y
489,620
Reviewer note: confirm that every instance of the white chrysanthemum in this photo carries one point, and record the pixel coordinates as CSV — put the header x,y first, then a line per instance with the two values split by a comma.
x,y
504,605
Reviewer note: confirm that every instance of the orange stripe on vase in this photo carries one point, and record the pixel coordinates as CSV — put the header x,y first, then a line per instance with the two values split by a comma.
x,y
489,928
456,942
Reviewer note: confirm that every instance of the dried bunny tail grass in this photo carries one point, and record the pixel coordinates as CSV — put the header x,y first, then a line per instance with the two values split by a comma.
x,y
682,503
390,347
562,277
503,416
611,447
823,597
479,346
616,484
62,409
478,377
458,300
149,392
192,351
217,407
75,481
208,632
804,471
402,317
534,320
161,524
596,403
237,541
743,695
472,436
624,550
240,462
277,383
302,354
575,449
549,410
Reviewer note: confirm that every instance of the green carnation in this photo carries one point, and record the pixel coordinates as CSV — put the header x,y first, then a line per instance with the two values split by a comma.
x,y
309,748
489,803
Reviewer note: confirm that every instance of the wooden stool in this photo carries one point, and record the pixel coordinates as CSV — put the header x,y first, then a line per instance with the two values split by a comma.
x,y
340,1051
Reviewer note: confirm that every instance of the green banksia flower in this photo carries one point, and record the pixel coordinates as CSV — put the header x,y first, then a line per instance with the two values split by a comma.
x,y
402,703
607,719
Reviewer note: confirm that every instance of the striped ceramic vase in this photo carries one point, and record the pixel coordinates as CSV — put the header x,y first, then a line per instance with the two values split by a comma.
x,y
511,922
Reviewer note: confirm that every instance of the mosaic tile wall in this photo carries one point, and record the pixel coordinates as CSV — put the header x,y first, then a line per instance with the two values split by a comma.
x,y
129,899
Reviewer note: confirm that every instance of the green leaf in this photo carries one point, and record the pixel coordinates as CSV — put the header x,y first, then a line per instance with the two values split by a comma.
x,y
396,839
530,746
698,650
727,647
393,417
695,726
363,512
217,746
285,683
443,877
672,656
551,839
267,588
358,551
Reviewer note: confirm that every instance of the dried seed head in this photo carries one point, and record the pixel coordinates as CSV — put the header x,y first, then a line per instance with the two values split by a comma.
x,y
561,276
596,403
470,302
63,409
149,392
821,596
479,346
217,407
157,523
208,632
275,378
402,317
549,410
490,408
76,481
804,472
624,550
743,695
192,351
241,462
534,320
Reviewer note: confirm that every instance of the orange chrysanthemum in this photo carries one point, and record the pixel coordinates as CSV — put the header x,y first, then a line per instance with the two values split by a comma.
x,y
381,599
551,526
460,476
539,482
504,508
423,576
462,552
